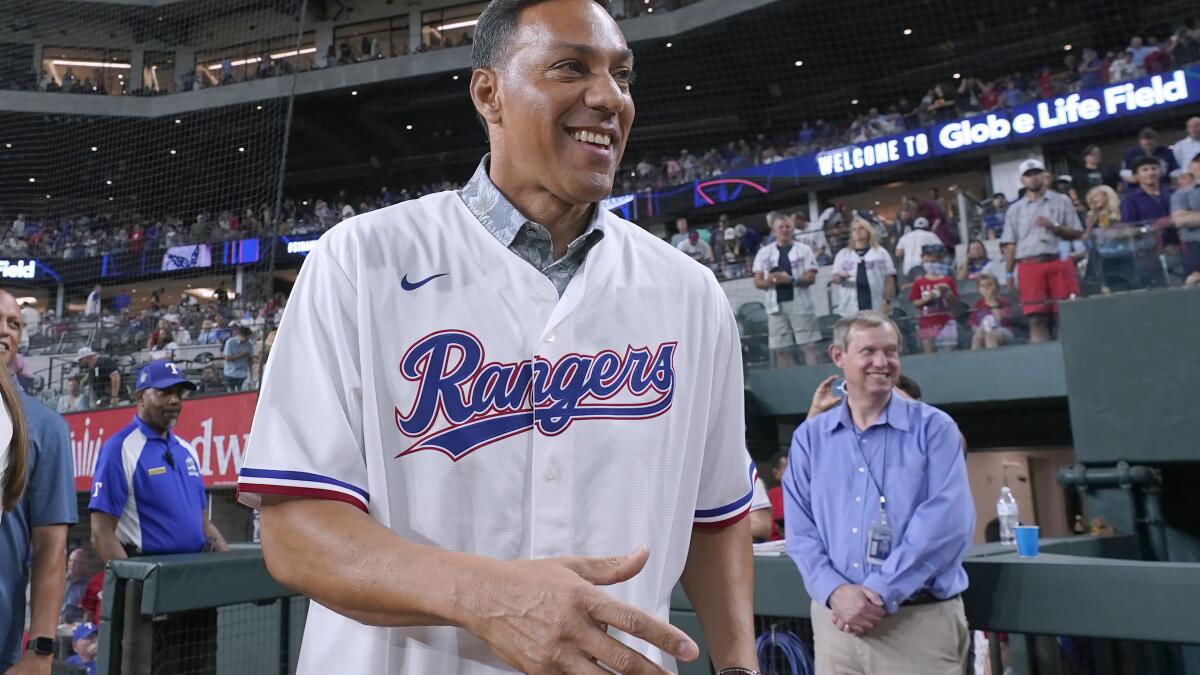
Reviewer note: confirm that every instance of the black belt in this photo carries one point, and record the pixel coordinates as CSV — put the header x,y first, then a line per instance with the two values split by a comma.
x,y
925,598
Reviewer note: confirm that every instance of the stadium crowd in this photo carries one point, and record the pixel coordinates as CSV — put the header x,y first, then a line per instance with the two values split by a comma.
x,y
962,98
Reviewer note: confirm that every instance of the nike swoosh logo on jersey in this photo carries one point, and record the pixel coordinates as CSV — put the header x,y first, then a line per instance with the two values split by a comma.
x,y
406,285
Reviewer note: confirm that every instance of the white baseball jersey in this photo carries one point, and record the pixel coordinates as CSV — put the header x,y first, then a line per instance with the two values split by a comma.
x,y
427,375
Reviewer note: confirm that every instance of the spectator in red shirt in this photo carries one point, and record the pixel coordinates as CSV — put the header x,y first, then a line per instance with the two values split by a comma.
x,y
992,316
989,97
934,294
91,598
137,239
931,210
1045,83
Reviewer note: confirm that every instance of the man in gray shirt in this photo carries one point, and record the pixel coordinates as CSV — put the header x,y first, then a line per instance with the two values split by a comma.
x,y
1033,227
1185,214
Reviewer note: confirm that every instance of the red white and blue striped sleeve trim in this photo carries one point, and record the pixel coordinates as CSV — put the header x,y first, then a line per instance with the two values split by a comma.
x,y
724,516
301,484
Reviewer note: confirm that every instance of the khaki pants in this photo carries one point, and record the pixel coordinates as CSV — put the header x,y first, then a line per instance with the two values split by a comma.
x,y
928,639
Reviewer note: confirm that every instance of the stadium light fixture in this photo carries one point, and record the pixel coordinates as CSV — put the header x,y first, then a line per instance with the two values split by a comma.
x,y
258,108
32,179
854,102
458,24
354,93
107,182
1066,48
408,126
798,64
455,78
241,149
294,52
90,64
178,121
8,145
172,151
47,196
958,76
668,45
95,149
908,31
687,88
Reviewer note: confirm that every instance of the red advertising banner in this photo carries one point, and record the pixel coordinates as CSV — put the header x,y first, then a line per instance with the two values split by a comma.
x,y
218,428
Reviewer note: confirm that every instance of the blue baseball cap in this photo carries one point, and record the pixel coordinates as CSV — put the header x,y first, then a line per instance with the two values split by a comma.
x,y
162,374
84,630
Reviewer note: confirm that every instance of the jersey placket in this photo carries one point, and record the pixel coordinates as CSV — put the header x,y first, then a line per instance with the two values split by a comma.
x,y
553,469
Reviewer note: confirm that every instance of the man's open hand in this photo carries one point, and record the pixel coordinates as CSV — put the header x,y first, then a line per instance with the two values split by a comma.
x,y
548,617
856,609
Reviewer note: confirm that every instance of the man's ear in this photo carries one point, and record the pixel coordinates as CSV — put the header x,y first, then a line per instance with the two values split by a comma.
x,y
485,94
836,354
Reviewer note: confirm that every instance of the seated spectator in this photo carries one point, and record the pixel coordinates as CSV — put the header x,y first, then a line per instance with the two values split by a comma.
x,y
1138,51
80,569
1189,146
84,642
911,245
1185,214
933,294
211,381
993,215
863,273
696,248
992,317
73,400
1147,146
101,377
681,231
978,263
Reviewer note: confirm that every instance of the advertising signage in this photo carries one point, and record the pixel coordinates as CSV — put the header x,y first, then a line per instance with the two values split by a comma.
x,y
1073,111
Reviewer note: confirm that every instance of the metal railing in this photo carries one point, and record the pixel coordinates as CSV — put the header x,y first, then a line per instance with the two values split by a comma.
x,y
224,613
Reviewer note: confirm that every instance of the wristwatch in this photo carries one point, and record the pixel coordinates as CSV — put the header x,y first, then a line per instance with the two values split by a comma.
x,y
42,646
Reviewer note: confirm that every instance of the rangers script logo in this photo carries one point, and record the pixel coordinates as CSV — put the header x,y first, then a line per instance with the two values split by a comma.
x,y
483,402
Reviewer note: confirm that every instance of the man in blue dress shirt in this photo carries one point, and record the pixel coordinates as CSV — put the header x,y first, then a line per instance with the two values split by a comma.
x,y
878,517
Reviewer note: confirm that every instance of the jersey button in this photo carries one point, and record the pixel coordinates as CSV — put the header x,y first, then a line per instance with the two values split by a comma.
x,y
854,530
549,337
551,473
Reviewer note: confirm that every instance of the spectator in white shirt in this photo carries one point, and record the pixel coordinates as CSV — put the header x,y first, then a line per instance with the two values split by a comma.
x,y
1122,68
813,235
785,269
92,307
73,399
696,248
1189,146
863,272
909,246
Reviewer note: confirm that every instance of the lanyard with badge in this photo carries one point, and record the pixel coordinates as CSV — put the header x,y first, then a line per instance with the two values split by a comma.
x,y
879,532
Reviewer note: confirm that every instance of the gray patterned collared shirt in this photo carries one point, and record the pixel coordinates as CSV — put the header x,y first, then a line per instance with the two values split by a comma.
x,y
530,241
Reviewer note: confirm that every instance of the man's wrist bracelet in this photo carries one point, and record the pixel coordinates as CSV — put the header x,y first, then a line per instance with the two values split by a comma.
x,y
737,670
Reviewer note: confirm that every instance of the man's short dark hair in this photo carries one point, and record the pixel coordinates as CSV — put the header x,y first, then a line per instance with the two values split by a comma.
x,y
1143,161
495,29
909,386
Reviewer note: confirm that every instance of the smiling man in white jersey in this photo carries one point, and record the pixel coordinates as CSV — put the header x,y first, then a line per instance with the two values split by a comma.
x,y
499,425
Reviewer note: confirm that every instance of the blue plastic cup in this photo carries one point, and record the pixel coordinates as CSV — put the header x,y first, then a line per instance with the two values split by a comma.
x,y
1027,540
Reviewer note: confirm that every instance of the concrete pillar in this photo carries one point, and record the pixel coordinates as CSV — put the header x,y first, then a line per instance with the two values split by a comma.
x,y
324,37
35,65
414,31
60,301
238,278
814,207
137,60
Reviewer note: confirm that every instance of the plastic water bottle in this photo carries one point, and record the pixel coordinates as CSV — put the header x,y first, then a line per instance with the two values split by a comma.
x,y
1006,510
